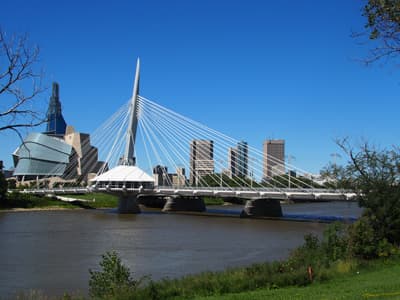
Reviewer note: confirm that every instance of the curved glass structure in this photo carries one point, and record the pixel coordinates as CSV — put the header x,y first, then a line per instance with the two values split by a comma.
x,y
42,155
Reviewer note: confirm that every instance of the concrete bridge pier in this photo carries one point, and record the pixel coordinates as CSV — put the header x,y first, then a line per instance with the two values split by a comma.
x,y
180,203
128,204
263,207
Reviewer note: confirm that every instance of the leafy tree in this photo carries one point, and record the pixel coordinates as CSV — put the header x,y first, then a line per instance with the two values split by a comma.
x,y
338,177
20,83
282,181
12,184
114,278
383,27
375,176
216,180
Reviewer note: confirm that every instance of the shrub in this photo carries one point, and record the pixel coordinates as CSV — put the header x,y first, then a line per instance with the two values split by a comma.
x,y
335,242
113,280
310,253
12,184
363,241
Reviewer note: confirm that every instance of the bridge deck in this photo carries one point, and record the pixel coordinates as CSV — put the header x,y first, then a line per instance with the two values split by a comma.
x,y
281,194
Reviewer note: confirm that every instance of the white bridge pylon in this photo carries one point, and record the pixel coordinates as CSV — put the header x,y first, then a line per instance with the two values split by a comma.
x,y
218,166
127,174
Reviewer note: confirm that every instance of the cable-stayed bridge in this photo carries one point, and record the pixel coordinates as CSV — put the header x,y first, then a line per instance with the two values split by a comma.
x,y
144,138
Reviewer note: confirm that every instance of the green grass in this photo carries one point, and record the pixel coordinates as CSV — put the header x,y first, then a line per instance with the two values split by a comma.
x,y
101,200
19,200
367,280
213,201
381,281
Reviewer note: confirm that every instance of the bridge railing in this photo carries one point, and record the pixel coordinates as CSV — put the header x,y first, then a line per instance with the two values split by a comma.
x,y
257,189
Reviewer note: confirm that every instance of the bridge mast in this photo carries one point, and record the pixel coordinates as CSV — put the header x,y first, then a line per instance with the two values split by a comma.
x,y
129,155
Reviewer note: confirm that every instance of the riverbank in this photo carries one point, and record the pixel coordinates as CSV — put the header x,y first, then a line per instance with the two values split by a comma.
x,y
16,202
38,209
379,280
343,280
22,202
369,280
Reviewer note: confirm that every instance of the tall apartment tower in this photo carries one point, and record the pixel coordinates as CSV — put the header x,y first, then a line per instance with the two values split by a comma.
x,y
201,160
273,158
238,160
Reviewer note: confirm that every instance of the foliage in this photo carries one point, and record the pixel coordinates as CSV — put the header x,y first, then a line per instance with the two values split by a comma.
x,y
20,83
97,200
375,175
327,258
335,242
216,180
12,184
338,177
213,201
3,186
366,243
113,279
20,200
378,280
281,181
321,254
383,27
284,181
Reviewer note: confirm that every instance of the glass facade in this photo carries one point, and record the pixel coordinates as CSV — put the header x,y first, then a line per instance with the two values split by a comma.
x,y
42,155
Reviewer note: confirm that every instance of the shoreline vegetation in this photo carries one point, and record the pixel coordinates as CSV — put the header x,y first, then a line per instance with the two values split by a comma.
x,y
304,275
330,266
17,201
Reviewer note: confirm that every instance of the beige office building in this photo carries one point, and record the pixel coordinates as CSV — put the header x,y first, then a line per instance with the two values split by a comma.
x,y
273,158
201,160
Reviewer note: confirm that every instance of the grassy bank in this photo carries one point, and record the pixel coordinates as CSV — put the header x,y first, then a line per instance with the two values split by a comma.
x,y
331,259
352,279
97,200
28,201
17,200
381,280
378,279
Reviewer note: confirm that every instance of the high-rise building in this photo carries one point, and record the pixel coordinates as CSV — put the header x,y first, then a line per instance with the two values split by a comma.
x,y
201,160
273,158
55,121
160,175
238,160
242,159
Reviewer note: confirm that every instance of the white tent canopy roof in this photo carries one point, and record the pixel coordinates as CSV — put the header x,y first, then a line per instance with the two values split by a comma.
x,y
124,174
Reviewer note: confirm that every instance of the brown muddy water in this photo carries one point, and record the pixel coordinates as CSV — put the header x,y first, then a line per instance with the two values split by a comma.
x,y
52,251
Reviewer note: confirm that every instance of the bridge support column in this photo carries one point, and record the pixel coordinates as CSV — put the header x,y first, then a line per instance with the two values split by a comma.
x,y
128,204
151,201
178,203
263,207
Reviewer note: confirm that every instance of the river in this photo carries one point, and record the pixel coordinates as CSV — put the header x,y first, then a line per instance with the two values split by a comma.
x,y
52,251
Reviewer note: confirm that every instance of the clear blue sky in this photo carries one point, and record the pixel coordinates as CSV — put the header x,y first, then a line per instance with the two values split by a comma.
x,y
250,69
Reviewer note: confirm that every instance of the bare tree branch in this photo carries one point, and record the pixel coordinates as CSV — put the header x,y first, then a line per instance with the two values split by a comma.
x,y
20,83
